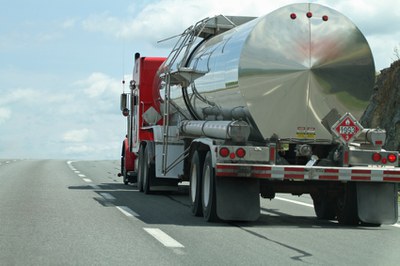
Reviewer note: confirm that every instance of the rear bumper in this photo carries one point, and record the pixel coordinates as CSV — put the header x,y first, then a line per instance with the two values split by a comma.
x,y
285,172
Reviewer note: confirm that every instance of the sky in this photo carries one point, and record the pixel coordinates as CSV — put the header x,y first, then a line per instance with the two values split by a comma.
x,y
62,63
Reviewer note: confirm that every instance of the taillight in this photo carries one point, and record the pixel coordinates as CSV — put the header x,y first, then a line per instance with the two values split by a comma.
x,y
325,18
240,152
224,152
293,16
376,157
309,14
392,158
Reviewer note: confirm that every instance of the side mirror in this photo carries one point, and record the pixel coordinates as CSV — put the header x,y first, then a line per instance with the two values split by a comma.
x,y
123,101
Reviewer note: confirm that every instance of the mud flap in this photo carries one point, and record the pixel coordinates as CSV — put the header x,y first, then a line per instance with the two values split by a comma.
x,y
238,199
377,203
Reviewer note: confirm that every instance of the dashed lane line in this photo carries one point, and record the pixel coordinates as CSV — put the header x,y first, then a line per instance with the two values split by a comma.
x,y
87,180
163,238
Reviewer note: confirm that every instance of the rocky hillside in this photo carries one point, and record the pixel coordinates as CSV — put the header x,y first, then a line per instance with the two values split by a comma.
x,y
384,108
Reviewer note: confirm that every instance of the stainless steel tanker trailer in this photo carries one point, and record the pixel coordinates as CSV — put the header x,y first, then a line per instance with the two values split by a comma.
x,y
245,107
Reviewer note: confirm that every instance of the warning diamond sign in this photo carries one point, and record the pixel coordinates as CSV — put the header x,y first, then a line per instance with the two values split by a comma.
x,y
347,128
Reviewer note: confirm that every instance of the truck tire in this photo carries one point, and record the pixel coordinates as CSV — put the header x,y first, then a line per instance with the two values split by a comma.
x,y
148,172
123,171
196,172
209,201
347,213
324,207
140,169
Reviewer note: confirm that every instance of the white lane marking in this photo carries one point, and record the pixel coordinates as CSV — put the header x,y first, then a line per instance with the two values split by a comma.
x,y
77,172
81,175
73,169
295,202
87,180
127,211
107,196
396,225
163,238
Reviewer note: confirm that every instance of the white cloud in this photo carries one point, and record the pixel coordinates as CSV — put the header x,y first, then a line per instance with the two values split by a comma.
x,y
69,23
98,84
159,20
77,135
5,114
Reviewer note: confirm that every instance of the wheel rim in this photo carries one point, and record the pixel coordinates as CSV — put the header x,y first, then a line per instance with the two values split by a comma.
x,y
193,183
206,186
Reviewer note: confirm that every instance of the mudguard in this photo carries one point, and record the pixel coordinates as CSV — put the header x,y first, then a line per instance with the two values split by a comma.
x,y
377,202
238,199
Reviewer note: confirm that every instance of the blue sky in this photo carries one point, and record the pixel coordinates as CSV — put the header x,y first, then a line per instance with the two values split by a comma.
x,y
62,62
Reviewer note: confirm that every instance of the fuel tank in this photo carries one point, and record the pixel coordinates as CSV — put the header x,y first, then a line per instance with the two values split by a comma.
x,y
283,73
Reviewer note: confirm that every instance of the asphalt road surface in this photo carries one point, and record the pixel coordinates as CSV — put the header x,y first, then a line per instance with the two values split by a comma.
x,y
80,213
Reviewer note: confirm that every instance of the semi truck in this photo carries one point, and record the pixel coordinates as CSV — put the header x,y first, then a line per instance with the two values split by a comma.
x,y
244,108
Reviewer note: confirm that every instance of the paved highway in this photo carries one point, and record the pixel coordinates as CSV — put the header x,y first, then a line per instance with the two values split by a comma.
x,y
79,213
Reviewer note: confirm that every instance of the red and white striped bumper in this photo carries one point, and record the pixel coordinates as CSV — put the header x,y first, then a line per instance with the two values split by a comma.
x,y
279,172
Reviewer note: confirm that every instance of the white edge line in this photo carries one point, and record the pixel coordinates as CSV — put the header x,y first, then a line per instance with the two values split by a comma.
x,y
295,202
163,238
127,211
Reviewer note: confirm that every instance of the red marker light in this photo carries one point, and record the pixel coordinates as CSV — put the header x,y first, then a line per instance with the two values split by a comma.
x,y
392,158
224,152
309,14
384,160
293,16
325,18
376,157
240,152
232,156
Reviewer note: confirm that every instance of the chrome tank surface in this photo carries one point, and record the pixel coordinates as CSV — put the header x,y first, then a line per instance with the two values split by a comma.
x,y
287,70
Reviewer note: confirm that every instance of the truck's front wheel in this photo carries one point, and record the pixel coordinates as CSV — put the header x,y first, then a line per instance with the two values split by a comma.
x,y
209,201
148,172
140,168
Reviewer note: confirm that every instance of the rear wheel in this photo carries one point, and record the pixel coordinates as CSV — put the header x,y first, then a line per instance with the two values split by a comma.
x,y
196,172
347,212
324,207
209,201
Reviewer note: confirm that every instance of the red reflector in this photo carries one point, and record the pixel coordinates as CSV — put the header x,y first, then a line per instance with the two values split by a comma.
x,y
384,160
232,156
376,157
224,152
378,142
325,18
392,158
309,14
293,16
240,152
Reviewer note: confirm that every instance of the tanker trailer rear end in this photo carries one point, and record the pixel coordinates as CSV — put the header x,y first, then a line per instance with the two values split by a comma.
x,y
247,106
